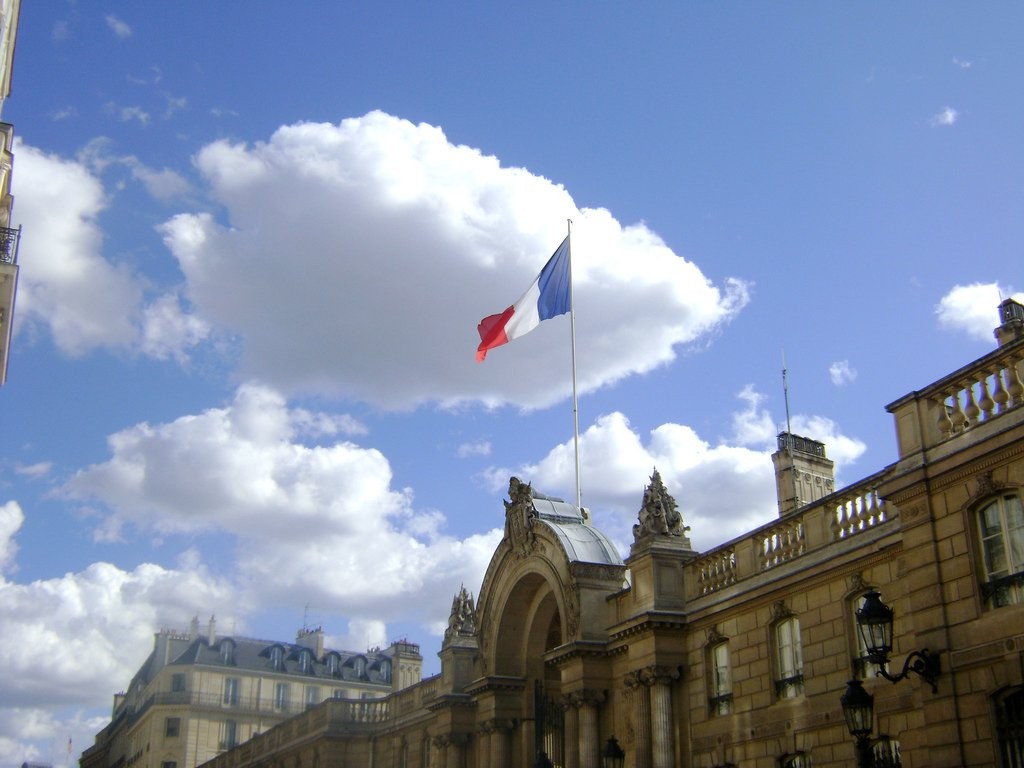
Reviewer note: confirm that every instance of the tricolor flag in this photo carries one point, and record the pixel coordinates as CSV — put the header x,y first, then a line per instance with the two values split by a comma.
x,y
548,297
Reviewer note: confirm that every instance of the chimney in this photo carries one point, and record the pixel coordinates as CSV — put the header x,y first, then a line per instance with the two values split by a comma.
x,y
1011,322
312,639
802,472
211,631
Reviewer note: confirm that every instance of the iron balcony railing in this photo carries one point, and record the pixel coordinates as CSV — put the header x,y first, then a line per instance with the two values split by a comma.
x,y
9,245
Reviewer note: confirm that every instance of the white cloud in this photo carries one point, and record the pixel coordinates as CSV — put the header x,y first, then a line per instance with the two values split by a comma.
x,y
312,520
11,519
168,332
948,116
358,204
37,470
118,27
973,309
723,490
841,373
480,448
65,283
962,63
127,114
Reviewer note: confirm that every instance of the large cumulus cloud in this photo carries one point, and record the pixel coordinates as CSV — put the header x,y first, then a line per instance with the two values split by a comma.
x,y
357,258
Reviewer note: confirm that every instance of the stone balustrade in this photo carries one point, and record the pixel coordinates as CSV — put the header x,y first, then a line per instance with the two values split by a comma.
x,y
828,522
975,395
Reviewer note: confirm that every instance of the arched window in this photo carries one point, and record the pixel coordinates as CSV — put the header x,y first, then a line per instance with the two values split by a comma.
x,y
795,760
305,661
333,663
359,666
385,670
227,651
277,658
1001,533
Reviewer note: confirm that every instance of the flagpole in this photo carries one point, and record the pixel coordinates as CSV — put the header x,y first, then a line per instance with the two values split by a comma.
x,y
575,404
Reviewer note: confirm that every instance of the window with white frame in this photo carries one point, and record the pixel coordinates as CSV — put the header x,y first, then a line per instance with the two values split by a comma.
x,y
789,662
720,693
230,691
172,727
277,658
305,661
795,760
229,734
178,682
312,695
1001,533
281,696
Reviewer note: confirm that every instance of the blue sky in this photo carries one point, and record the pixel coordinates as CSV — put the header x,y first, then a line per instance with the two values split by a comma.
x,y
257,244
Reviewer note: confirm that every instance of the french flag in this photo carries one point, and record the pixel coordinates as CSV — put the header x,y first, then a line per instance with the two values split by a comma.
x,y
548,297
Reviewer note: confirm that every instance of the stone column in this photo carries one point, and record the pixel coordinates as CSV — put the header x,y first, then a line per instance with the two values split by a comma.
x,y
497,751
640,682
572,731
588,742
663,750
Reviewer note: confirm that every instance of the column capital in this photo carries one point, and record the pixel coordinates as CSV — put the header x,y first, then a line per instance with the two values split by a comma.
x,y
645,677
583,697
495,724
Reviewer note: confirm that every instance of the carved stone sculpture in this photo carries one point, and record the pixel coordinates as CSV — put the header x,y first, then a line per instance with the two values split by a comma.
x,y
462,619
659,514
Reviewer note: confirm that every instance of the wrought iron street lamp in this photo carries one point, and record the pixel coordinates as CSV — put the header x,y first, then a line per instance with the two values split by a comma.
x,y
859,711
874,622
612,755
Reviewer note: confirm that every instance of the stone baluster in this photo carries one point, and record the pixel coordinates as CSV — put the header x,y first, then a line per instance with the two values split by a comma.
x,y
1000,396
1014,386
971,411
986,403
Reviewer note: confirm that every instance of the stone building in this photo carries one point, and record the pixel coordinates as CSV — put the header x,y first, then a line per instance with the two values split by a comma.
x,y
200,694
10,11
738,656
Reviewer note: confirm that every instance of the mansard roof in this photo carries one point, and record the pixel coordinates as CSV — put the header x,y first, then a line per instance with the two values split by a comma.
x,y
255,656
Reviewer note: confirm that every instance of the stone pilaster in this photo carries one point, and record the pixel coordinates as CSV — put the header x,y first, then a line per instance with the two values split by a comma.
x,y
663,752
583,751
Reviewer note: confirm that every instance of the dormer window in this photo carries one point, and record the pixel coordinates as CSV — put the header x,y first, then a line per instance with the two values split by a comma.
x,y
333,662
227,652
305,661
359,666
385,670
277,658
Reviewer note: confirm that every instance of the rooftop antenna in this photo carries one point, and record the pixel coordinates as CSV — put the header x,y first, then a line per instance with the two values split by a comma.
x,y
785,395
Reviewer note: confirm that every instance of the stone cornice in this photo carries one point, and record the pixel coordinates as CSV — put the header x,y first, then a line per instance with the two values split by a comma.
x,y
578,649
496,683
649,622
451,700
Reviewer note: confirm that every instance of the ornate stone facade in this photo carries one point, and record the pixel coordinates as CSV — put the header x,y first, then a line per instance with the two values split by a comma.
x,y
735,656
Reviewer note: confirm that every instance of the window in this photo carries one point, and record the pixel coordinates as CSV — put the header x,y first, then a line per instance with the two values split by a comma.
x,y
169,764
385,670
281,696
231,692
312,695
305,661
886,753
1001,528
332,663
789,679
227,651
359,666
1010,727
177,682
229,735
720,698
795,760
172,727
277,658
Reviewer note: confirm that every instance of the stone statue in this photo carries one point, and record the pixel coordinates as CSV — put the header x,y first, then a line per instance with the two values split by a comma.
x,y
519,514
462,619
659,513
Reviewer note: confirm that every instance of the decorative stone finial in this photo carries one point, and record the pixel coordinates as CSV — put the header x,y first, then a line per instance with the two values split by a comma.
x,y
519,515
462,620
659,513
